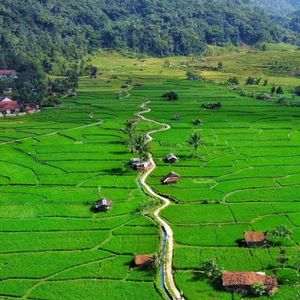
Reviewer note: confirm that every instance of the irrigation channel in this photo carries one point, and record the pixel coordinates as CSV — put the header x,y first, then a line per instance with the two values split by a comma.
x,y
167,279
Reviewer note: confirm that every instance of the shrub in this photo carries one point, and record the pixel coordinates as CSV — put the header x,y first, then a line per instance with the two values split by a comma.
x,y
233,80
171,96
297,91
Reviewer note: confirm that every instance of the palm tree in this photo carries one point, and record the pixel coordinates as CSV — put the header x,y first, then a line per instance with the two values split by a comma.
x,y
140,145
129,129
195,141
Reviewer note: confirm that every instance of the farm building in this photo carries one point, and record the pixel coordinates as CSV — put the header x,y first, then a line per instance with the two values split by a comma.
x,y
212,105
8,74
103,205
9,107
171,158
243,281
255,239
144,260
32,108
140,164
172,177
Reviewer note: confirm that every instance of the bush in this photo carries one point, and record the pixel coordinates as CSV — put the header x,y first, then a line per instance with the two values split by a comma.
x,y
233,80
192,75
171,96
297,91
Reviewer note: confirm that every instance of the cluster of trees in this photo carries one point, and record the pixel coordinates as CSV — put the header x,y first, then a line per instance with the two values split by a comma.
x,y
57,31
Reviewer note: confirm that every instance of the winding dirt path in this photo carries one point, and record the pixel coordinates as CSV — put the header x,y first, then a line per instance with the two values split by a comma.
x,y
168,280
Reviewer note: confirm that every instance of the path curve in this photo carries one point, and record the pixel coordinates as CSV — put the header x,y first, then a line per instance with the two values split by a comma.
x,y
166,202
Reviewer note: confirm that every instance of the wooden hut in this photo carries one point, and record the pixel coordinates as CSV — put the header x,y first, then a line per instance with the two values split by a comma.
x,y
103,205
172,177
255,239
212,105
140,164
243,281
143,260
171,158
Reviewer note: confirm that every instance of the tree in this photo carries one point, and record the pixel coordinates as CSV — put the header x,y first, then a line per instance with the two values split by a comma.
x,y
195,141
192,75
297,90
130,130
258,289
279,91
171,96
273,90
233,80
280,232
266,82
140,145
211,269
220,66
93,72
282,258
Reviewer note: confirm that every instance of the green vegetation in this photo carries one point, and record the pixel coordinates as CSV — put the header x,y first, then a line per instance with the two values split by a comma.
x,y
56,164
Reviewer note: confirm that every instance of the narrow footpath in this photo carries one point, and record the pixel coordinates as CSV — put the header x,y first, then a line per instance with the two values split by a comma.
x,y
169,283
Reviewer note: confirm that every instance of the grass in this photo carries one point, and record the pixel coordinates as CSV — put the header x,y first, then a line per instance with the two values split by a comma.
x,y
246,177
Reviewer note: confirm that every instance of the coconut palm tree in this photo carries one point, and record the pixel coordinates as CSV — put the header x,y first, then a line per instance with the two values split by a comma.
x,y
129,129
140,145
195,141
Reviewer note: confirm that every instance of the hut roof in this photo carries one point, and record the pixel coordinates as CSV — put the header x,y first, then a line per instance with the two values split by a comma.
x,y
171,156
143,260
104,202
8,104
173,174
253,236
7,72
248,279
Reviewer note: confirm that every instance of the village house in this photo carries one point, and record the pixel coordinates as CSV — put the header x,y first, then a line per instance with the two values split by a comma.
x,y
9,107
255,239
8,74
172,177
140,164
243,281
103,205
144,260
171,158
32,108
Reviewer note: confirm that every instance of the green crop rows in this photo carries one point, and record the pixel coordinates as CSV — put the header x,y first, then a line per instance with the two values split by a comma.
x,y
56,164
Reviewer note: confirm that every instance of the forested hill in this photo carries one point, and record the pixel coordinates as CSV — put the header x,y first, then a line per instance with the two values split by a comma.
x,y
49,30
278,7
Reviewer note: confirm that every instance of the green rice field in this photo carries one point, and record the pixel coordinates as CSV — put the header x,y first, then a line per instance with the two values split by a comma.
x,y
56,164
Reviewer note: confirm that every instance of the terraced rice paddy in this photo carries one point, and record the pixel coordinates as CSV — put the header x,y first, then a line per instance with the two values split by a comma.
x,y
56,164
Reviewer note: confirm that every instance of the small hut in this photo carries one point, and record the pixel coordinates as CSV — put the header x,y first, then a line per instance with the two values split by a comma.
x,y
140,164
171,158
212,106
144,260
243,281
255,239
172,177
103,205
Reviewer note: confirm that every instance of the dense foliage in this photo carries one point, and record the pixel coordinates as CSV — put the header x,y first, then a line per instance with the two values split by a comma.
x,y
51,31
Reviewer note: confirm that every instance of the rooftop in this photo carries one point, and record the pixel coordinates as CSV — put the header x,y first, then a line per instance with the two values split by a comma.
x,y
253,236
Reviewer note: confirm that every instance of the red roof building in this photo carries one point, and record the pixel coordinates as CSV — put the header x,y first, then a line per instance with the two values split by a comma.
x,y
8,106
243,281
255,239
144,260
7,74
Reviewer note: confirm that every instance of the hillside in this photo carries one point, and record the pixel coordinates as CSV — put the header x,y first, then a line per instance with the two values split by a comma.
x,y
279,7
49,31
